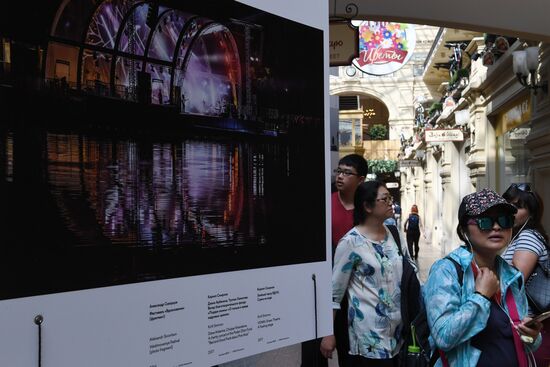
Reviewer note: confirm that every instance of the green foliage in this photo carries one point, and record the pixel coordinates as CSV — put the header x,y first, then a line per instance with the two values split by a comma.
x,y
457,75
382,165
378,132
436,106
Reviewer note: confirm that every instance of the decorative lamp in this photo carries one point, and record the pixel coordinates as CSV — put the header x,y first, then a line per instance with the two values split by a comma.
x,y
462,117
525,64
532,54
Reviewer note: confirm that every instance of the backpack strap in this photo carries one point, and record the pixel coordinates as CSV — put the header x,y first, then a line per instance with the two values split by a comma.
x,y
458,268
395,233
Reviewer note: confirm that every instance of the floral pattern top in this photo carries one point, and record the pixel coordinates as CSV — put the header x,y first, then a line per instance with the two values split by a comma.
x,y
370,272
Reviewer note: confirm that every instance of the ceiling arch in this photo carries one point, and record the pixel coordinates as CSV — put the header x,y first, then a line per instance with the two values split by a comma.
x,y
367,91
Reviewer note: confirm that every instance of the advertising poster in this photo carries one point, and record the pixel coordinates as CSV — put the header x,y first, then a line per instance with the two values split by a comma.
x,y
165,186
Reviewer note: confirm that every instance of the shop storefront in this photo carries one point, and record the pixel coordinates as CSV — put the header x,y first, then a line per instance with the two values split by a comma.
x,y
512,129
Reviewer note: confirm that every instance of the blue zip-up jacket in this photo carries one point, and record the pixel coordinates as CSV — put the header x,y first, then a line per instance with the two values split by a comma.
x,y
456,314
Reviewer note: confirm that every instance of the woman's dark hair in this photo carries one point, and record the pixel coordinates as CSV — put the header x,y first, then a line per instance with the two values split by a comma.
x,y
531,201
365,195
461,228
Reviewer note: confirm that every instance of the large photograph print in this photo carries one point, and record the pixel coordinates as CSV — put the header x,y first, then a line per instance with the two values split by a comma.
x,y
168,139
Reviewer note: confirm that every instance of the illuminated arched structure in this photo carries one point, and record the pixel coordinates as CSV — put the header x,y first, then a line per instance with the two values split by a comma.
x,y
112,47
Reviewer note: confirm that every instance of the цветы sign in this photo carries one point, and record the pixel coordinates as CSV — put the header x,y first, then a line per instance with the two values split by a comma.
x,y
384,47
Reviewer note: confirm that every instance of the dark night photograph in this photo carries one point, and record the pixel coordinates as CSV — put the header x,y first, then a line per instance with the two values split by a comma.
x,y
151,140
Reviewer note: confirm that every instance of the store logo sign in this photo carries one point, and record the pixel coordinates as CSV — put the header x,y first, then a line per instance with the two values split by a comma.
x,y
343,43
384,47
409,163
443,135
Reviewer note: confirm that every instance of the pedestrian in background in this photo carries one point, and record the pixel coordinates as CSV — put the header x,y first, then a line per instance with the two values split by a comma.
x,y
412,228
477,306
529,246
367,270
397,214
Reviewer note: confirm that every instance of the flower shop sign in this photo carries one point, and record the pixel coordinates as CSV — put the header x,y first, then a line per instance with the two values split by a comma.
x,y
443,135
384,47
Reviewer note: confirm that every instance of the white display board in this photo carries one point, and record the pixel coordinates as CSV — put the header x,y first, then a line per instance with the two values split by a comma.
x,y
193,321
197,320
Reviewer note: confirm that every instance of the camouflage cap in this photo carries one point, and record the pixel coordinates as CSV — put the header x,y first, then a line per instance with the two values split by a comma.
x,y
479,202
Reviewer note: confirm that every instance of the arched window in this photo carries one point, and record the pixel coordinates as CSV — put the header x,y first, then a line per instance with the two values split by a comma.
x,y
137,24
106,22
166,34
211,70
183,54
72,19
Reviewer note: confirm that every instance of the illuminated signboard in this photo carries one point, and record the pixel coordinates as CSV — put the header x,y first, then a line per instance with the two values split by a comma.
x,y
384,47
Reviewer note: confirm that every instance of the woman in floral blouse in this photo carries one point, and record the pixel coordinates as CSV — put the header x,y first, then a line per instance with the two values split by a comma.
x,y
368,268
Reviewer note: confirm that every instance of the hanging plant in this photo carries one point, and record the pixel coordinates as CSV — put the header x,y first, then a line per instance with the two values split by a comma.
x,y
458,75
436,106
382,165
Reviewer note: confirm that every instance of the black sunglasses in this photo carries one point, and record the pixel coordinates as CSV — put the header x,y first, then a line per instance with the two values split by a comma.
x,y
487,223
525,187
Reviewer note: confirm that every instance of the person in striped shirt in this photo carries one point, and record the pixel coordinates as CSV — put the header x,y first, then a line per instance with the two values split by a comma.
x,y
528,246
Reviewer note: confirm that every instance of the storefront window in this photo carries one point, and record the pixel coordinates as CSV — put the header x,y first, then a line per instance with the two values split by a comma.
x,y
512,128
346,133
358,134
514,156
351,131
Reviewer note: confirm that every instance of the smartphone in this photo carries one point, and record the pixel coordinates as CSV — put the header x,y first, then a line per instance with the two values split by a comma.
x,y
540,318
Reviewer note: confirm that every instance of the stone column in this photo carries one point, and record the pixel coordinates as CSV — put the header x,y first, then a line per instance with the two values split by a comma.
x,y
538,141
449,194
477,160
429,204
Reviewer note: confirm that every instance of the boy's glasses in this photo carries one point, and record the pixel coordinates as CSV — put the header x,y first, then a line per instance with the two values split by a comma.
x,y
345,173
487,223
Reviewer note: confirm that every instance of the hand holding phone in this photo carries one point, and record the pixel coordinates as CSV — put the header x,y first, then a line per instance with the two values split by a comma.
x,y
538,318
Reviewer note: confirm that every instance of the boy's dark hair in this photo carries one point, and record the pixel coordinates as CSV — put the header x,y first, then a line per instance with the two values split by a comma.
x,y
365,194
356,161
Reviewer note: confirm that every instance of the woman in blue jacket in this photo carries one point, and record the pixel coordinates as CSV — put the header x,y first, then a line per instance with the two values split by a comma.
x,y
480,321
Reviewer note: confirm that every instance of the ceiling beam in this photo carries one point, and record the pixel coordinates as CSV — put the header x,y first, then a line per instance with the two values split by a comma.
x,y
527,19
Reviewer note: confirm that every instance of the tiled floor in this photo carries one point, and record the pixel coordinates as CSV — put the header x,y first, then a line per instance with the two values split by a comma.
x,y
291,356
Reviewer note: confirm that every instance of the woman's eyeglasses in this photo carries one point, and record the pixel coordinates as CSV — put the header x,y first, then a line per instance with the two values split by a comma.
x,y
388,199
487,223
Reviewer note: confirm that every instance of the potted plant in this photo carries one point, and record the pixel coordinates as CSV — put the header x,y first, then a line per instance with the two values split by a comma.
x,y
378,132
